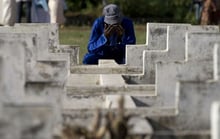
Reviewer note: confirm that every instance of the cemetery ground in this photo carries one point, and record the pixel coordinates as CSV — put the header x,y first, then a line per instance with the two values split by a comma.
x,y
80,35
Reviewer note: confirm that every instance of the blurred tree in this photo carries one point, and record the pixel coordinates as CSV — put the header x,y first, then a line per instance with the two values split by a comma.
x,y
140,10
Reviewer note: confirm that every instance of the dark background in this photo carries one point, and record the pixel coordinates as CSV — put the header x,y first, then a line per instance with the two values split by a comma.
x,y
83,12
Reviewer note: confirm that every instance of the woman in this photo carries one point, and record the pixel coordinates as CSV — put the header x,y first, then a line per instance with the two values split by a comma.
x,y
20,4
7,12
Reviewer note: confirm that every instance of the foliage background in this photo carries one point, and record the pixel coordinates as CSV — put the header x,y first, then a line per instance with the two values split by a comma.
x,y
82,12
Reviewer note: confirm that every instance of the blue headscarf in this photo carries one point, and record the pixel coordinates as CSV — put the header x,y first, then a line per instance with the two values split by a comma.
x,y
42,3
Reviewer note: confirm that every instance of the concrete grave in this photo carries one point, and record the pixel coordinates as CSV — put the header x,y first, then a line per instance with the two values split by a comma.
x,y
169,73
81,102
42,39
166,100
103,84
27,76
175,49
156,39
195,84
52,32
37,71
23,116
54,45
184,88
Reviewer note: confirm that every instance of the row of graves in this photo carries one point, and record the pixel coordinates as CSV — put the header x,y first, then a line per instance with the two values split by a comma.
x,y
168,88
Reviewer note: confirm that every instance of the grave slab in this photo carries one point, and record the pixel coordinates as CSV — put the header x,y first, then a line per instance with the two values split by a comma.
x,y
196,88
54,45
175,51
23,116
42,40
156,39
169,73
54,70
12,68
104,83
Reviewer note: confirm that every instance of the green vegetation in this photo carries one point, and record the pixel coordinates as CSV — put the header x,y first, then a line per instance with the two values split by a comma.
x,y
141,11
80,35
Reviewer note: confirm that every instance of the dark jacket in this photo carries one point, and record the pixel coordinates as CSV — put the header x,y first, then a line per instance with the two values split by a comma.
x,y
100,47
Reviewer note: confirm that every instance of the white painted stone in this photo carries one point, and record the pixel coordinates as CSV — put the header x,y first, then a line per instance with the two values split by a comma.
x,y
12,68
16,72
137,90
94,85
51,70
104,83
215,120
110,79
111,69
52,29
1,80
22,116
72,50
195,68
175,49
95,69
194,103
156,39
43,42
111,101
30,118
193,84
54,45
1,12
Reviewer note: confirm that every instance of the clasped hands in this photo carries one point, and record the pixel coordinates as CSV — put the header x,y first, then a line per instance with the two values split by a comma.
x,y
115,29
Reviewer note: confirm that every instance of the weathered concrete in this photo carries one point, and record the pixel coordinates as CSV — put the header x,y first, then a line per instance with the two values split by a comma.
x,y
104,83
29,118
100,90
22,116
183,89
175,49
72,50
54,45
1,80
52,32
42,39
12,67
51,70
111,101
1,12
156,39
95,69
106,79
168,74
195,84
18,60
